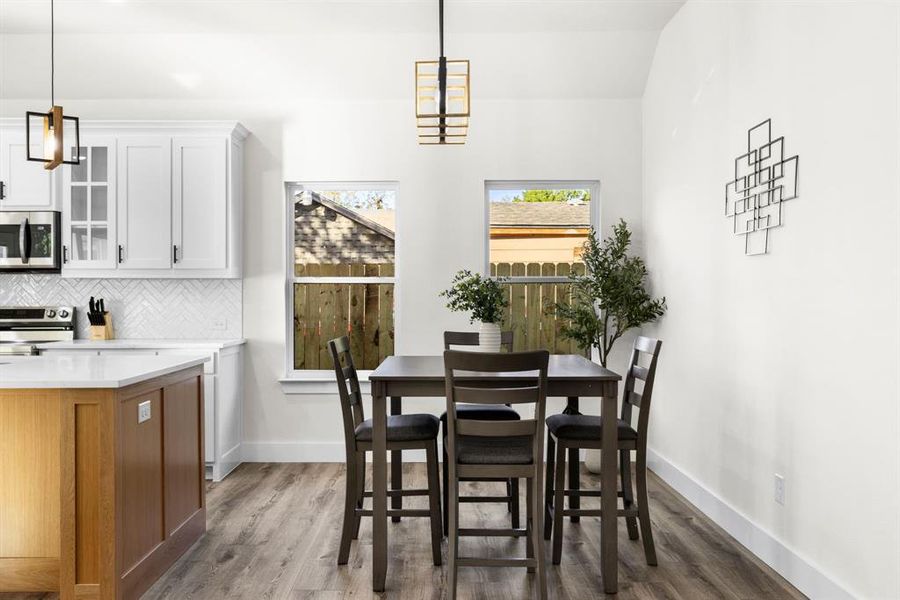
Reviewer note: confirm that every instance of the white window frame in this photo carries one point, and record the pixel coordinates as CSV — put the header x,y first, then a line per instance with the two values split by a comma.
x,y
322,381
563,184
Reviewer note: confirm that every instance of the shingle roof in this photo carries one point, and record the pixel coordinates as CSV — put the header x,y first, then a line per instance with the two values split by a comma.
x,y
541,214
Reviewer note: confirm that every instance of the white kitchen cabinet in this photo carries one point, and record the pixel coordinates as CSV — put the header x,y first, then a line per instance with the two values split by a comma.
x,y
199,202
172,193
24,184
89,205
145,202
223,389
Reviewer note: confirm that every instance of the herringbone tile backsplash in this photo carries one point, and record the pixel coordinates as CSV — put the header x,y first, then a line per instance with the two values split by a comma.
x,y
141,308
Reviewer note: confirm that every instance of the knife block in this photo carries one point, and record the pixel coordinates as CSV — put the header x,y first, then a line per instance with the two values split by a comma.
x,y
105,331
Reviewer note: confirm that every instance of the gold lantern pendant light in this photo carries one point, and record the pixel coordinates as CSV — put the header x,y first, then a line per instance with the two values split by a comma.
x,y
442,97
54,125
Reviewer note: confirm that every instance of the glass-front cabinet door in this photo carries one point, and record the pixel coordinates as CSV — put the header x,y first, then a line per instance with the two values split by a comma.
x,y
89,206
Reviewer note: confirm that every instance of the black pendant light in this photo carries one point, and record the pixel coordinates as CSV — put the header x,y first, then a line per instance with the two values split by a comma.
x,y
56,128
442,96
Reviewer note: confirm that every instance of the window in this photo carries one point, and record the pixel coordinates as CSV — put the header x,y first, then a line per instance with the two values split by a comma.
x,y
535,234
340,272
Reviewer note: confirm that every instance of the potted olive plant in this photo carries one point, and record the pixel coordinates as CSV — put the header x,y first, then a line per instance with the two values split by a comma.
x,y
482,298
607,300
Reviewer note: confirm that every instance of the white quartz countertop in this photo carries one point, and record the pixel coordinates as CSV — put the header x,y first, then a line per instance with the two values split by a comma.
x,y
137,344
88,371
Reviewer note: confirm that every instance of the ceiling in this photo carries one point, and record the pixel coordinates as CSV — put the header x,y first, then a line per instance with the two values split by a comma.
x,y
334,16
326,50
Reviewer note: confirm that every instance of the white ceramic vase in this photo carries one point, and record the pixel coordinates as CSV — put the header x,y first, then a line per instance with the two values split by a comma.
x,y
489,337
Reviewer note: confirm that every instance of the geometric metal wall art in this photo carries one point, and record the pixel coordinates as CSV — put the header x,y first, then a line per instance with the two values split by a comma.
x,y
763,180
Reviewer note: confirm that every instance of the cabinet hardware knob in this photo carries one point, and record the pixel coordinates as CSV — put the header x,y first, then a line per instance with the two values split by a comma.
x,y
121,250
174,254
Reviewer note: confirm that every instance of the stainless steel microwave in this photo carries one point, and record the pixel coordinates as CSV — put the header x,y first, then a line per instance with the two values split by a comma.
x,y
30,241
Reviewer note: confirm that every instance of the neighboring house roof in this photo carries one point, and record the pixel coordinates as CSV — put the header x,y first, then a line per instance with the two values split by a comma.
x,y
540,214
356,216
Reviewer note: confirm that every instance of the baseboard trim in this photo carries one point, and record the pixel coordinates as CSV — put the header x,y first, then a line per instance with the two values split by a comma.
x,y
287,452
802,574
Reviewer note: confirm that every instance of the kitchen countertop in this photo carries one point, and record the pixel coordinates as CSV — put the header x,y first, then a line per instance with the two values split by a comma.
x,y
136,344
88,371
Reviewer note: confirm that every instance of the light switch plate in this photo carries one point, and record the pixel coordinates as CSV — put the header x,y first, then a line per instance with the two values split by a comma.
x,y
144,411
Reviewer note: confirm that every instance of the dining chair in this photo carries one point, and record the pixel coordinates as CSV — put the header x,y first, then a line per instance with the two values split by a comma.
x,y
497,449
584,431
486,412
404,432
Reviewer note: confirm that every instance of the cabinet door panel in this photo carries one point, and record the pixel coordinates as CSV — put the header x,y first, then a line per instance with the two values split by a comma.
x,y
144,203
141,482
26,184
200,202
89,206
183,414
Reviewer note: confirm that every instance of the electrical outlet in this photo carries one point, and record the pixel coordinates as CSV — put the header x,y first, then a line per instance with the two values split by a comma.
x,y
220,324
144,411
779,489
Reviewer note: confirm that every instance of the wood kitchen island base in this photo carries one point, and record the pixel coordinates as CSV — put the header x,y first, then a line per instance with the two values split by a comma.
x,y
96,502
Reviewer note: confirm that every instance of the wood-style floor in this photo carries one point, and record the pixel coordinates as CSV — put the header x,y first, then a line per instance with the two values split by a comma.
x,y
273,532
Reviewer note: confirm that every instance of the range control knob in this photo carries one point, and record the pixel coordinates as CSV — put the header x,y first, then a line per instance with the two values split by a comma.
x,y
63,314
51,313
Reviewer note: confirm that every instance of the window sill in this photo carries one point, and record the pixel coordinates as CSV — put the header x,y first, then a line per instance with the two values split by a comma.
x,y
320,383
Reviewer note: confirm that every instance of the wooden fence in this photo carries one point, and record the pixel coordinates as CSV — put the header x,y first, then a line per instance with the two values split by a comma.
x,y
362,311
365,311
527,313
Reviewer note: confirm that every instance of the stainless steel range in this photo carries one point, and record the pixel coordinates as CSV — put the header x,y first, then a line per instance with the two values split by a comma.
x,y
23,327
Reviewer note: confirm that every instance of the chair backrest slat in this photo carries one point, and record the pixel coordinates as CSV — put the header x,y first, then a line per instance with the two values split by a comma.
x,y
631,399
496,428
484,395
471,338
348,388
529,370
639,372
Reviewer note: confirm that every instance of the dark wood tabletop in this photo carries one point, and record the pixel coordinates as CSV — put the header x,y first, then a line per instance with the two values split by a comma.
x,y
562,367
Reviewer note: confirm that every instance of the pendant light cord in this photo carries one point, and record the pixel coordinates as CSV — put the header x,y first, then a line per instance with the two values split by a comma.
x,y
52,58
440,21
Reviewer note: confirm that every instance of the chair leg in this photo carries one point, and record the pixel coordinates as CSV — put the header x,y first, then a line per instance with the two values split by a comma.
x,y
537,539
453,539
349,512
644,508
509,495
396,463
396,481
360,490
559,503
434,502
574,480
627,492
530,533
514,502
548,495
445,491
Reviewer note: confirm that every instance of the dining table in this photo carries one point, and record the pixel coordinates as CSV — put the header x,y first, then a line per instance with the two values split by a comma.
x,y
569,376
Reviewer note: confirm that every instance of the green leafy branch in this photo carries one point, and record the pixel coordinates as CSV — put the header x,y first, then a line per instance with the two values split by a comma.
x,y
482,297
610,298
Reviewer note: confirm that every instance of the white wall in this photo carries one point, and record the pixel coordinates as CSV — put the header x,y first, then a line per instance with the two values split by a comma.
x,y
441,215
785,363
